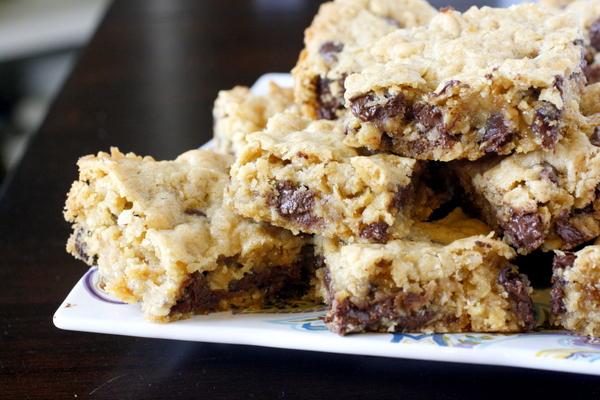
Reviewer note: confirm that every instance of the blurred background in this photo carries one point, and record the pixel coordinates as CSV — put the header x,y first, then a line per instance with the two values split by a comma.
x,y
39,43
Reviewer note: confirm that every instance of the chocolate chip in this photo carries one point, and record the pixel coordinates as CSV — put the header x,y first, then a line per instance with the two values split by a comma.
x,y
400,197
445,88
329,103
595,137
558,84
517,291
569,232
583,62
360,107
430,118
497,134
564,260
81,248
294,201
549,172
594,34
546,124
329,50
195,211
526,229
376,231
395,107
557,294
295,204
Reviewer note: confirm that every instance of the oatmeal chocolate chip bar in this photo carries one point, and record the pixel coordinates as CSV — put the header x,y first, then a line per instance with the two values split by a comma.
x,y
297,174
159,235
238,112
589,12
487,81
442,283
575,293
338,43
542,199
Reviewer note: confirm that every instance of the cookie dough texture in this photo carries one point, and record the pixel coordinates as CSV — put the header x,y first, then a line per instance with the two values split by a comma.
x,y
542,199
456,284
575,294
337,44
298,174
238,112
159,235
489,80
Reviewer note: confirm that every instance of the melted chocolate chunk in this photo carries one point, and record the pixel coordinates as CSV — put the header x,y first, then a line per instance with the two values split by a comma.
x,y
413,301
595,137
497,134
594,34
557,293
272,281
546,124
526,230
431,118
379,113
569,232
517,292
562,261
549,172
329,50
346,314
329,103
294,204
286,281
376,231
197,297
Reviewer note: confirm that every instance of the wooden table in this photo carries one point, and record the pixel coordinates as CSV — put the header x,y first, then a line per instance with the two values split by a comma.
x,y
146,83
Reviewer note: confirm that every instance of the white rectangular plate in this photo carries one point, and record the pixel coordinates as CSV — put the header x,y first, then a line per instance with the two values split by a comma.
x,y
300,326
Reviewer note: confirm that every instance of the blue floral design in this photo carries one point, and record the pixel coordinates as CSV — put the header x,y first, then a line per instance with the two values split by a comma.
x,y
308,324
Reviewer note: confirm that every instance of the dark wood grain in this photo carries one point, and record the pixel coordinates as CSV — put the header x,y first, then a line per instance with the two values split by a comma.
x,y
146,83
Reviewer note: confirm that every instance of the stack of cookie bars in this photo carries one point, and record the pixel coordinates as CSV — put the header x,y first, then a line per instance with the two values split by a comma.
x,y
418,153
